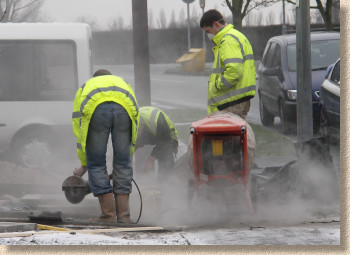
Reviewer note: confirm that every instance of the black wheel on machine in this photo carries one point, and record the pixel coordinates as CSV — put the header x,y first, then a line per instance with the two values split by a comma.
x,y
253,192
267,118
190,191
33,149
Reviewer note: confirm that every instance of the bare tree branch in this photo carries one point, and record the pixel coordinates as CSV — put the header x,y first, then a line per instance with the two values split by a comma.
x,y
292,2
27,5
4,13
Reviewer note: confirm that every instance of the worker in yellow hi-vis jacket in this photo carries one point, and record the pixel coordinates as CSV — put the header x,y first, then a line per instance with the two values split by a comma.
x,y
106,105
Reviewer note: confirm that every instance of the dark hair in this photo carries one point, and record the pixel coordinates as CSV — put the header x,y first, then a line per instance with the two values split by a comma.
x,y
101,72
209,17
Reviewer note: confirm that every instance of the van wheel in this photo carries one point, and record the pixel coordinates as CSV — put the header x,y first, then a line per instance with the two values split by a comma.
x,y
33,151
285,125
324,125
266,118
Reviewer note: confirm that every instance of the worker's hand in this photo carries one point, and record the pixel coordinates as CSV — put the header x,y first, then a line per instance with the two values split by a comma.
x,y
80,171
149,164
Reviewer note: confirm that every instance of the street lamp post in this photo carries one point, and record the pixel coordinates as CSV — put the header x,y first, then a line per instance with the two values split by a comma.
x,y
304,78
188,2
202,5
283,18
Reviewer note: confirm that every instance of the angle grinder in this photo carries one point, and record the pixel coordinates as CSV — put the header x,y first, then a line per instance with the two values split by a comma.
x,y
75,189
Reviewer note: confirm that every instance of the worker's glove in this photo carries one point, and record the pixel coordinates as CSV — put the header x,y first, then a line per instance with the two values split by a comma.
x,y
80,171
149,165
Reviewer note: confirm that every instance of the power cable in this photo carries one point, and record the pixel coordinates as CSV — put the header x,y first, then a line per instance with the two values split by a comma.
x,y
140,201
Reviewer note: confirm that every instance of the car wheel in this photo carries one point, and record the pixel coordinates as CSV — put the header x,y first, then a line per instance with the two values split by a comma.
x,y
316,126
284,121
324,125
33,151
266,118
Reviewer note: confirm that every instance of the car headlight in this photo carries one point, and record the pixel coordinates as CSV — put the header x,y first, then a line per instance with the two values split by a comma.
x,y
292,94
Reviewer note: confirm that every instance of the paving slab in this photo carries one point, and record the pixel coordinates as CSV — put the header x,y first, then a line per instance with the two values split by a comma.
x,y
17,227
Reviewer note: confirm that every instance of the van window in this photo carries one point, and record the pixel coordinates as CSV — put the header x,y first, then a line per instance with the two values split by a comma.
x,y
277,57
323,53
265,54
270,55
336,73
38,70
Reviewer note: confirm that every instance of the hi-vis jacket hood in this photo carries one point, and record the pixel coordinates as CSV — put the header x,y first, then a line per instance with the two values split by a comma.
x,y
106,88
233,72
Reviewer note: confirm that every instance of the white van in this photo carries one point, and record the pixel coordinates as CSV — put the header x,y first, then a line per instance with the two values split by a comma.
x,y
42,65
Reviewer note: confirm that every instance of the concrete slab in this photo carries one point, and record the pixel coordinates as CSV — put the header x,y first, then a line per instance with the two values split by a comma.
x,y
17,227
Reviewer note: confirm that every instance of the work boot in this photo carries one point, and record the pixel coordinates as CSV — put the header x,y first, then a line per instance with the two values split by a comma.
x,y
107,205
122,208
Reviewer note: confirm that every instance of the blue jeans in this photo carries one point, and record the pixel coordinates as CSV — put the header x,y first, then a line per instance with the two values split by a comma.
x,y
109,118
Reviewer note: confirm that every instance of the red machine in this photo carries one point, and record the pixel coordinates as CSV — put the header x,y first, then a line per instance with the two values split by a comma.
x,y
220,152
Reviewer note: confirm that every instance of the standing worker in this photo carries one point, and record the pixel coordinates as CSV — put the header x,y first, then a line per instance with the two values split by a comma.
x,y
105,105
232,80
157,129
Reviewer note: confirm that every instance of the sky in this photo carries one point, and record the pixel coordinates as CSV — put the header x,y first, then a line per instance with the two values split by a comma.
x,y
103,12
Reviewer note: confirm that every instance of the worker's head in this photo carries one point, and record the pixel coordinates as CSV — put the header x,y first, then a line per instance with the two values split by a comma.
x,y
101,72
212,22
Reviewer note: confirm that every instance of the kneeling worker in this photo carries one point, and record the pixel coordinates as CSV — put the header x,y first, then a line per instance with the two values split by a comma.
x,y
157,129
106,105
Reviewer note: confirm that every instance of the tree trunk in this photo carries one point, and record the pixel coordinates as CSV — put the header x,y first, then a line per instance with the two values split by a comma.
x,y
328,22
236,20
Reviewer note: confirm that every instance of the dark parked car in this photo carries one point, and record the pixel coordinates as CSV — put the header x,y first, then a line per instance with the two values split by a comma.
x,y
330,104
277,76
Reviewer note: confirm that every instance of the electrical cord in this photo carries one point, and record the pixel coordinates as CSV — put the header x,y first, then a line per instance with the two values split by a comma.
x,y
140,201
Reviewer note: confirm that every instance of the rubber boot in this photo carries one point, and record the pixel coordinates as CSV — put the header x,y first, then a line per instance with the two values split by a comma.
x,y
108,209
122,207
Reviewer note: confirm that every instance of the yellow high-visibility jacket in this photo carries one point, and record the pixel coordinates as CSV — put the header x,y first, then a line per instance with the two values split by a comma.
x,y
151,114
106,88
232,76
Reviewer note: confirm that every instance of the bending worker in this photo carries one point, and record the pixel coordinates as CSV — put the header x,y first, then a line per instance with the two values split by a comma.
x,y
157,129
232,80
105,105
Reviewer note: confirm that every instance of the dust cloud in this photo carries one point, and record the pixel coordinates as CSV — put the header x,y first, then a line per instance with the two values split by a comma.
x,y
301,190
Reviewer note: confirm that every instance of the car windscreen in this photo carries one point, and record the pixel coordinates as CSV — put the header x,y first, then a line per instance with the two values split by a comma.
x,y
323,53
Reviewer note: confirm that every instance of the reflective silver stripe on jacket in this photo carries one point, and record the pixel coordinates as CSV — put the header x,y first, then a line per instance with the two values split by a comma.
x,y
153,119
233,60
248,57
218,69
77,115
225,82
231,94
240,44
79,146
111,88
245,57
